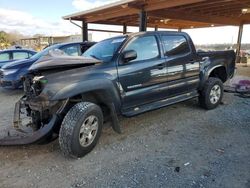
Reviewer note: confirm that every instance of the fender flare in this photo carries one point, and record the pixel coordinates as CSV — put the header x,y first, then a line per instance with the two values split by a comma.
x,y
110,96
208,68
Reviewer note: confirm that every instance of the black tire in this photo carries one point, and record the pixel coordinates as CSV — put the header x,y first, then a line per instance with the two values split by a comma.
x,y
204,98
69,134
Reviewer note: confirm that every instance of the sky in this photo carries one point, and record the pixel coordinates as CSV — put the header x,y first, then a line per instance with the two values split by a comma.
x,y
31,17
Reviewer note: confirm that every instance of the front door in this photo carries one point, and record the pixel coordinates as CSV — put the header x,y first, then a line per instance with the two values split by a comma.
x,y
141,79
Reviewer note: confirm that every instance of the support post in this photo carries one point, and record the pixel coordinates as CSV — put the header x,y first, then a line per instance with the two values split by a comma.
x,y
143,21
84,31
156,28
179,30
124,28
239,43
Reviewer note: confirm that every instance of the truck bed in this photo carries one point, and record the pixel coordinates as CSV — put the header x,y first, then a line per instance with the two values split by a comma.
x,y
227,56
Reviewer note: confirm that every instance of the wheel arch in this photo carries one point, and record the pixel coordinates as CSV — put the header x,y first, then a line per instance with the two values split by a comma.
x,y
102,89
215,69
103,94
218,71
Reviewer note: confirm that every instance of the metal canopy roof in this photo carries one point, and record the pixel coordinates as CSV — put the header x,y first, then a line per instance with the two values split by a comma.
x,y
174,14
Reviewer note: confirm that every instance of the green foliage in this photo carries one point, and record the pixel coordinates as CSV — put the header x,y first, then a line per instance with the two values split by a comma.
x,y
4,40
4,37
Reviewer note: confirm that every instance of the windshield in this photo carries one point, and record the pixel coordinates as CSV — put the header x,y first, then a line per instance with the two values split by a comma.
x,y
44,52
104,50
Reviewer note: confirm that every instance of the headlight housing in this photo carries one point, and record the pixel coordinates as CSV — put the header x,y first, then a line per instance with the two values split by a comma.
x,y
33,85
40,79
7,72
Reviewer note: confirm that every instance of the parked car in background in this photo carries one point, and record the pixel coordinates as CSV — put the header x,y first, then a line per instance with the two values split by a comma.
x,y
11,73
10,55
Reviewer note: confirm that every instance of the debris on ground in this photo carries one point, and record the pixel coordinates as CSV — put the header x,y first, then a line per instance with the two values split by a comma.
x,y
220,150
240,85
186,164
177,169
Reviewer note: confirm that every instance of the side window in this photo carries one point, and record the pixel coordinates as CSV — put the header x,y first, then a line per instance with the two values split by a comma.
x,y
71,50
20,55
175,45
4,56
145,47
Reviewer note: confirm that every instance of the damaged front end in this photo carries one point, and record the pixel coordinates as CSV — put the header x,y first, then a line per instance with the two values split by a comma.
x,y
36,118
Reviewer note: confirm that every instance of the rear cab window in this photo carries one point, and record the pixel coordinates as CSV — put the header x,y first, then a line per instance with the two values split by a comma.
x,y
175,45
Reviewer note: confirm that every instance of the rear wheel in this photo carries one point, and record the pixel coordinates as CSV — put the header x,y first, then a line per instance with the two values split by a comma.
x,y
212,93
81,129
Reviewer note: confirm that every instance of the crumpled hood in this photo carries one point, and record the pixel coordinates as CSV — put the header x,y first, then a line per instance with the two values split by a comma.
x,y
57,59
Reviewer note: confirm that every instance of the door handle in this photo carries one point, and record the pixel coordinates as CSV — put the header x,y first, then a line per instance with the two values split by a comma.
x,y
161,66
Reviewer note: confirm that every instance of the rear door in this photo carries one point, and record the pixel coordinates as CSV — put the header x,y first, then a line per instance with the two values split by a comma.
x,y
183,67
141,78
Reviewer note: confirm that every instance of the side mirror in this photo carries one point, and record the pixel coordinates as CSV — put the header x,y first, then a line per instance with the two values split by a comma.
x,y
129,56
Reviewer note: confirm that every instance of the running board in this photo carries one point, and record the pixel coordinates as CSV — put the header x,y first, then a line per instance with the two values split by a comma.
x,y
159,104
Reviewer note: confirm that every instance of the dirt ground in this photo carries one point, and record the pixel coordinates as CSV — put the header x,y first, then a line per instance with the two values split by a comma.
x,y
177,146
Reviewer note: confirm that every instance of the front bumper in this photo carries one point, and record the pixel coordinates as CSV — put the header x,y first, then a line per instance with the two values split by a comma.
x,y
31,137
10,84
9,81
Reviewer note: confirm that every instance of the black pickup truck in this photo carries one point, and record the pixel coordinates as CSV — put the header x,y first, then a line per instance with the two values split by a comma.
x,y
127,75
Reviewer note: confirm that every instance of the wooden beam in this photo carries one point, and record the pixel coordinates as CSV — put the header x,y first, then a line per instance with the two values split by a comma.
x,y
221,8
181,15
245,18
169,4
103,30
211,3
124,12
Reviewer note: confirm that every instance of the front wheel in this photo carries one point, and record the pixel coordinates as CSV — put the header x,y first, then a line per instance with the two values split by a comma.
x,y
81,129
212,93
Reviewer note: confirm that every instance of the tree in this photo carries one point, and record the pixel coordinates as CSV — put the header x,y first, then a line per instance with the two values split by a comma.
x,y
4,41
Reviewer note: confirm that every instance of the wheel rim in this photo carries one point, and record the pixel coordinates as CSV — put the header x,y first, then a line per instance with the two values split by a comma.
x,y
88,131
215,94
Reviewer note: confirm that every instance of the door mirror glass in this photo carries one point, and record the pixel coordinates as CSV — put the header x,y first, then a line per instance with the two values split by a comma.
x,y
129,55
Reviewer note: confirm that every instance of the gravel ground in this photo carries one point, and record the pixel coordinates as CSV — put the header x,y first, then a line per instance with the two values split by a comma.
x,y
178,146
